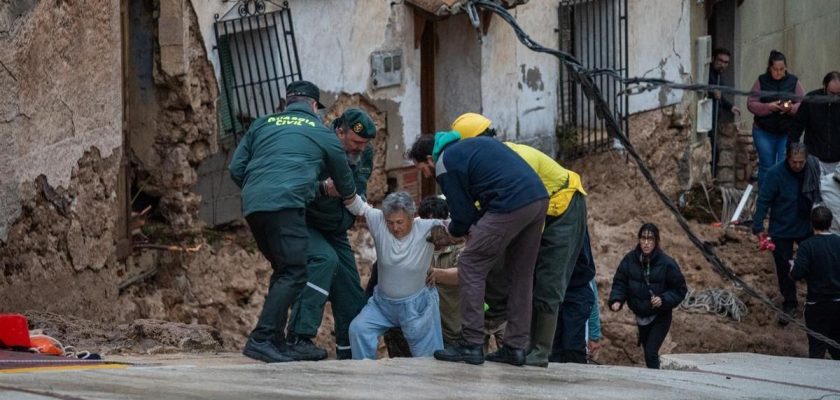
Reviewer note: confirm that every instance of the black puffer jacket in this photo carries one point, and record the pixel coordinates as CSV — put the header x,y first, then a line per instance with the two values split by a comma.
x,y
635,280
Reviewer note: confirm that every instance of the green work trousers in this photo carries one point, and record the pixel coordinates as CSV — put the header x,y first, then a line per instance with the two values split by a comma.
x,y
560,246
332,272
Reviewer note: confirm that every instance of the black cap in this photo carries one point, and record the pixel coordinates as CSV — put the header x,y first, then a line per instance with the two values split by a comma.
x,y
306,89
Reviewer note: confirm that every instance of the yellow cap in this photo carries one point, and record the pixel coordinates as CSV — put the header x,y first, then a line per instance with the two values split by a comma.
x,y
470,125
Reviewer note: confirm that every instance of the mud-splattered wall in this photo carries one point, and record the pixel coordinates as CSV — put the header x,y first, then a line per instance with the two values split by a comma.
x,y
63,150
60,93
60,149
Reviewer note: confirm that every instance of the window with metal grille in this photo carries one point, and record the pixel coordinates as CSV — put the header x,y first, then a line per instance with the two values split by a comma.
x,y
257,57
595,32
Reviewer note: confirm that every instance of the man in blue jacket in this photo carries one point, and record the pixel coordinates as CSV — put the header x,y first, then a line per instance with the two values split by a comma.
x,y
277,164
509,223
790,209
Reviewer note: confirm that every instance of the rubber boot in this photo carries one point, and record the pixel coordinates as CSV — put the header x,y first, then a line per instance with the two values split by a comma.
x,y
543,325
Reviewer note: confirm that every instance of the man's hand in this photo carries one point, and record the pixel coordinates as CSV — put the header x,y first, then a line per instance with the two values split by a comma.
x,y
656,301
439,236
593,347
615,306
329,188
775,106
736,111
442,276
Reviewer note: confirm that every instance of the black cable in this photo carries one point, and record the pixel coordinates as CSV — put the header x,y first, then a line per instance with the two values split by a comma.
x,y
592,93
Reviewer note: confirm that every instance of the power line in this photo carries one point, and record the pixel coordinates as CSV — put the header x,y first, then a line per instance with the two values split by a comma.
x,y
579,74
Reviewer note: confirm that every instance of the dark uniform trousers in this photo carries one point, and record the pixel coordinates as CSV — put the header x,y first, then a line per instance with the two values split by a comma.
x,y
332,276
281,237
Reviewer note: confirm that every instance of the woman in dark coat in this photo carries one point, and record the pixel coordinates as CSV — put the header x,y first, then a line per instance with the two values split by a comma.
x,y
651,284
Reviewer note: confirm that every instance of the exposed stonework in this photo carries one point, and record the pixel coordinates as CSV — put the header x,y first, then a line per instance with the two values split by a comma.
x,y
377,183
184,131
64,239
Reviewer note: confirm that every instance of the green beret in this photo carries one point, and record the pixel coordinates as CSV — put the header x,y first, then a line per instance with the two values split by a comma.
x,y
359,122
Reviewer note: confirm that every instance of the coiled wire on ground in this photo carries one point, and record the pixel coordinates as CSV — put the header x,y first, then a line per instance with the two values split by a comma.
x,y
714,301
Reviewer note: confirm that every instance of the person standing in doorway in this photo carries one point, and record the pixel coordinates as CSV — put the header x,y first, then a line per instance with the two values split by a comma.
x,y
720,62
277,165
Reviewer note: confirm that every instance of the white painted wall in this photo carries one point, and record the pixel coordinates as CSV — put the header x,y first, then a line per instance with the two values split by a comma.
x,y
519,85
659,47
335,40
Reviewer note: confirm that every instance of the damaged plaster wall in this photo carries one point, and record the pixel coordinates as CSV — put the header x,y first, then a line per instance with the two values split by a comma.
x,y
334,43
519,85
60,151
659,47
59,93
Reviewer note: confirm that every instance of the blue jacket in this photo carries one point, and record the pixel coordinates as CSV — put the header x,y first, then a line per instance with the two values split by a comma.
x,y
790,210
486,171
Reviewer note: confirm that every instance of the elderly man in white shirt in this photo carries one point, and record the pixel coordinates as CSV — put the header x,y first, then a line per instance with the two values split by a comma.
x,y
401,298
830,190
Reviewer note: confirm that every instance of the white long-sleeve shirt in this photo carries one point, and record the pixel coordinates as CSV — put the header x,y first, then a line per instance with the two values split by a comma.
x,y
403,263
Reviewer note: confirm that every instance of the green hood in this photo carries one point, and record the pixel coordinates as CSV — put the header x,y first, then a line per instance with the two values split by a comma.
x,y
442,139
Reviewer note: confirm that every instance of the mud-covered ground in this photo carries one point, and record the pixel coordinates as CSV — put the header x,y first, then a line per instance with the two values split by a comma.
x,y
212,294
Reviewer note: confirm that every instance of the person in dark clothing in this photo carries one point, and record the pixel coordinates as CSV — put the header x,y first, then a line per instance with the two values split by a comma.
x,y
818,262
513,206
652,285
331,266
720,61
570,336
773,120
277,165
821,124
789,209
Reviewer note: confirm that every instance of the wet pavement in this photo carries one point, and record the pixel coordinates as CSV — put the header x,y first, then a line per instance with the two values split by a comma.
x,y
231,376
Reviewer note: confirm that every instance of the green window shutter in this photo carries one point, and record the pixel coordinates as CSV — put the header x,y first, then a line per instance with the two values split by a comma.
x,y
227,109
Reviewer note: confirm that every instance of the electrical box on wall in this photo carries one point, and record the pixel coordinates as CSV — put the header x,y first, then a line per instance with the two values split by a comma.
x,y
386,68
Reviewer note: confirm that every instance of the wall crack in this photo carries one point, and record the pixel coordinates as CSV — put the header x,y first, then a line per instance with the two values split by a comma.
x,y
8,71
72,117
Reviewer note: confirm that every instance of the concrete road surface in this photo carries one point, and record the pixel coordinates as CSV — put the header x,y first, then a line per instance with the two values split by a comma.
x,y
231,376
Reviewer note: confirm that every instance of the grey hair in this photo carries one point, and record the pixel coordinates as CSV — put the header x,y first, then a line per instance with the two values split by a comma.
x,y
399,201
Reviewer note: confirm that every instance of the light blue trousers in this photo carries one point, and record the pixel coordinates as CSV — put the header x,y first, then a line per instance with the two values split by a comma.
x,y
417,315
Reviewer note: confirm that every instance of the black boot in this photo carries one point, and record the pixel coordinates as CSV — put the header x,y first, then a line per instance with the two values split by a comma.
x,y
343,354
302,349
462,351
508,355
264,351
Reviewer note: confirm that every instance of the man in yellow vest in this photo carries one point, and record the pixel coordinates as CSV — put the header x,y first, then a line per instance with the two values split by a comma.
x,y
562,238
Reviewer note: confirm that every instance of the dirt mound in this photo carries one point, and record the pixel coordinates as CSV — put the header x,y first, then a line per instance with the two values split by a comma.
x,y
620,200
